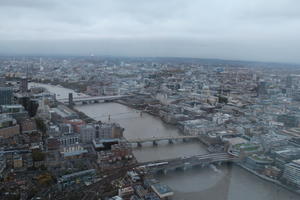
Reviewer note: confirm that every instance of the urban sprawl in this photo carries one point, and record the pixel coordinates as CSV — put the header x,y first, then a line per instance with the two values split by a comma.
x,y
245,114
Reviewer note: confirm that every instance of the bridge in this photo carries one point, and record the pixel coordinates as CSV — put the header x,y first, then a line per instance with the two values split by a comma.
x,y
184,163
155,140
92,99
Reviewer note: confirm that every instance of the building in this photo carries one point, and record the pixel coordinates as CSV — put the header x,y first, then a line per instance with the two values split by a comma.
x,y
69,140
53,144
2,164
272,172
23,85
162,190
64,112
258,162
262,88
75,123
288,120
122,150
17,161
291,173
104,144
73,151
285,155
6,94
140,191
87,133
30,105
116,198
15,108
289,81
91,132
71,103
76,178
126,192
117,131
271,140
28,126
8,126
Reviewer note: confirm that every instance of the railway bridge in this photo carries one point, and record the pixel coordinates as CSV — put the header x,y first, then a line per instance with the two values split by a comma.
x,y
184,163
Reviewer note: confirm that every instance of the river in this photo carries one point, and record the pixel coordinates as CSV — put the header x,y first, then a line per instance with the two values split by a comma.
x,y
226,182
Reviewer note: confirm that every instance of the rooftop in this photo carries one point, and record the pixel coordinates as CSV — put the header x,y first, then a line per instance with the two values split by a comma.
x,y
162,190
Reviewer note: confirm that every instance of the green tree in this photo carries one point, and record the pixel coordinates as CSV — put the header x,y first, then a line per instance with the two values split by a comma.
x,y
40,124
38,156
222,99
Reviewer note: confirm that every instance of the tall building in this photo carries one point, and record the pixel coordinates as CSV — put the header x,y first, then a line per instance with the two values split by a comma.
x,y
71,103
2,81
23,85
6,94
292,173
262,88
289,81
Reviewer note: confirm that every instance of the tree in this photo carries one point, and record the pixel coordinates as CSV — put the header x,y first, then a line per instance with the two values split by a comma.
x,y
45,179
38,156
222,99
40,124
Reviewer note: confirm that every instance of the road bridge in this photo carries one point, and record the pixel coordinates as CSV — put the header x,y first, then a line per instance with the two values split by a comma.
x,y
92,99
155,140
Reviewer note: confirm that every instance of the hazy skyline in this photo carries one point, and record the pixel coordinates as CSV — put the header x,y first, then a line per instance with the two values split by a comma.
x,y
233,29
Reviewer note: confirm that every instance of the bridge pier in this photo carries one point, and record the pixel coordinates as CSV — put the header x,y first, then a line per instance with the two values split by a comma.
x,y
204,165
161,171
154,143
178,168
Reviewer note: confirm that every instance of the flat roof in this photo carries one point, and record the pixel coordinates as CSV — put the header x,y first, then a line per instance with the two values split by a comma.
x,y
162,190
74,153
297,161
77,174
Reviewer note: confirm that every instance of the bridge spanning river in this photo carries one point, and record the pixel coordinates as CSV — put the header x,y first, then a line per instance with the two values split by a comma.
x,y
92,99
154,140
189,162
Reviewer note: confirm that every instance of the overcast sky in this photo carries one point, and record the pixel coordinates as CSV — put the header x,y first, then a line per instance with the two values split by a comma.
x,y
263,30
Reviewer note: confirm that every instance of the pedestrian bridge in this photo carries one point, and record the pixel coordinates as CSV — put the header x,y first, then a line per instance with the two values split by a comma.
x,y
155,140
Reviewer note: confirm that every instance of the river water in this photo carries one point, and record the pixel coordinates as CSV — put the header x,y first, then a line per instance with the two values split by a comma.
x,y
226,182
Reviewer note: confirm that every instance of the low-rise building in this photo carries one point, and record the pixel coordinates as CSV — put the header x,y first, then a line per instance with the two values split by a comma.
x,y
28,126
73,151
76,178
162,190
17,161
258,162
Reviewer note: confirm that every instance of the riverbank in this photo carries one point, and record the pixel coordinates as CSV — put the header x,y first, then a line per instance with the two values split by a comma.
x,y
268,179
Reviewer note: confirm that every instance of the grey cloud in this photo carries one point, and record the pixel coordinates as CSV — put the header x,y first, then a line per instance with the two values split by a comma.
x,y
239,29
27,3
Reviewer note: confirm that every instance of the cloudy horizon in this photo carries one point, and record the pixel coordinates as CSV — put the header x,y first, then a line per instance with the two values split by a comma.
x,y
234,29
